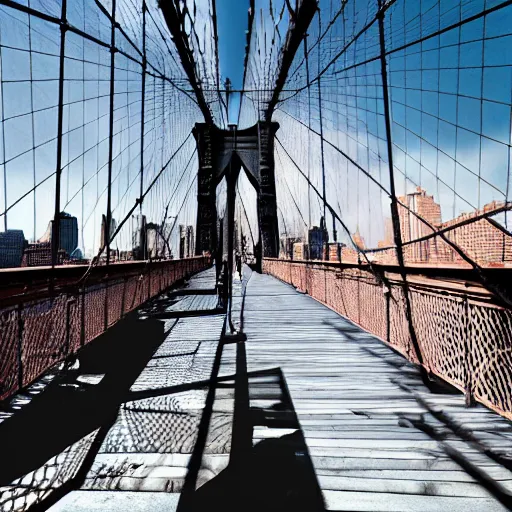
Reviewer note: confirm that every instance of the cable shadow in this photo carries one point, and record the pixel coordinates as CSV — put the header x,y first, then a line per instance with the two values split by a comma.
x,y
268,474
357,335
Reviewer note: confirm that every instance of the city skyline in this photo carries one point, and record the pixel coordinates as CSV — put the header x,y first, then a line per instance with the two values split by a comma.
x,y
475,233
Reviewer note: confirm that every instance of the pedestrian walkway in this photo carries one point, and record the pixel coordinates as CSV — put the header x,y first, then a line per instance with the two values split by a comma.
x,y
378,439
310,413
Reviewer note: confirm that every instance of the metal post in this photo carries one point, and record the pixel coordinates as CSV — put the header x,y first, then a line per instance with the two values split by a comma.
x,y
111,127
68,327
60,116
82,317
105,306
387,294
110,150
123,297
3,135
33,130
149,279
468,357
19,354
230,214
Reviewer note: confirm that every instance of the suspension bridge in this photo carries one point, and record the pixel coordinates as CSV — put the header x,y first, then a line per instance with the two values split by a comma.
x,y
292,294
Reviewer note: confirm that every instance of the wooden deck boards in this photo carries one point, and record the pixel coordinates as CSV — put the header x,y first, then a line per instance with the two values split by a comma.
x,y
362,428
353,413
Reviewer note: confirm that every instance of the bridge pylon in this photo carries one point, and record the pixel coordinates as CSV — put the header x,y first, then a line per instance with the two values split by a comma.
x,y
222,153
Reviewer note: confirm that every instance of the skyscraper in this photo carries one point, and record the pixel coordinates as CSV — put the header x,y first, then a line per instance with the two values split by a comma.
x,y
113,227
68,233
12,244
139,237
183,241
190,241
317,238
187,241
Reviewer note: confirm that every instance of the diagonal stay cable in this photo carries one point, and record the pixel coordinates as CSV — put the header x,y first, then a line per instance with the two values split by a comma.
x,y
331,209
95,260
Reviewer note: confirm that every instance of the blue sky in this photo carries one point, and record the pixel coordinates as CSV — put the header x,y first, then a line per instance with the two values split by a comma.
x,y
450,108
231,26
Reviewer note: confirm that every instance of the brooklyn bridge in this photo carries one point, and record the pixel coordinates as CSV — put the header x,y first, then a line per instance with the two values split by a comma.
x,y
255,255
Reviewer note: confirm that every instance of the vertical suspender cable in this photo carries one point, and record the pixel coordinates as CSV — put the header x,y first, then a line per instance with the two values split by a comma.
x,y
2,92
322,157
321,119
60,115
306,57
33,124
142,115
111,129
394,204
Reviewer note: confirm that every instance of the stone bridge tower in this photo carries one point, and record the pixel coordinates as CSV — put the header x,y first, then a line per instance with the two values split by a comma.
x,y
222,153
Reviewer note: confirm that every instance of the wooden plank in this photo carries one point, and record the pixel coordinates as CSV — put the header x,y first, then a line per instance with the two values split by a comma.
x,y
349,408
390,502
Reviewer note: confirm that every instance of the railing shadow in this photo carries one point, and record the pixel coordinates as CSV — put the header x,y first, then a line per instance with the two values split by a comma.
x,y
50,444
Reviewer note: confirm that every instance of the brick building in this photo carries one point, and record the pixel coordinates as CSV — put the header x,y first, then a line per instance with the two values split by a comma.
x,y
484,240
350,254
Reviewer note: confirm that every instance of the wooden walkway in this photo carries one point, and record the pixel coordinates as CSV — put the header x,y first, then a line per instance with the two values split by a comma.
x,y
365,414
309,413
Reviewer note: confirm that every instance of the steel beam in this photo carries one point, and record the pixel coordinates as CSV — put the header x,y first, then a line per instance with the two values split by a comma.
x,y
174,19
296,32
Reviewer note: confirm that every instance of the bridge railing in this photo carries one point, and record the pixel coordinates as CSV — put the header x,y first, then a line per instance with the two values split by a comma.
x,y
463,332
48,314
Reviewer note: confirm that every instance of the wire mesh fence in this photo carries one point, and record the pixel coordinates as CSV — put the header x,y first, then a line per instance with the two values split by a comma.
x,y
463,334
42,327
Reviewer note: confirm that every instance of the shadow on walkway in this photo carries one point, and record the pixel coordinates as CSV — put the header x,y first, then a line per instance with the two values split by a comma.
x,y
58,433
51,443
273,474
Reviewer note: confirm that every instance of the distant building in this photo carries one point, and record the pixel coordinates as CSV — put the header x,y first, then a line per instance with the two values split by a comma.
x,y
300,251
153,240
335,250
411,227
125,255
318,237
104,237
40,255
286,244
12,245
187,242
191,243
139,237
68,233
484,240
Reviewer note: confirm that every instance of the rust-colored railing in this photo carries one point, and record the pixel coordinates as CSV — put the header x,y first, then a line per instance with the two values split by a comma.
x,y
463,332
48,314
